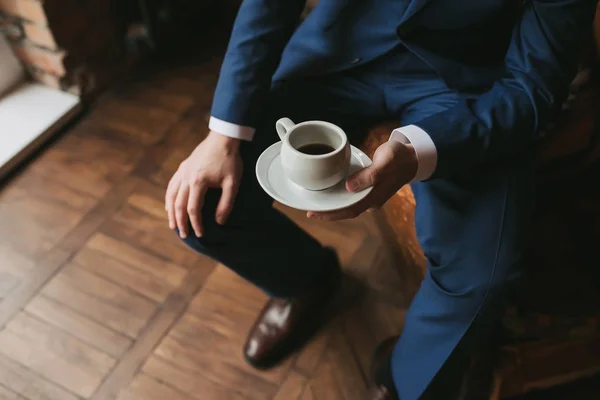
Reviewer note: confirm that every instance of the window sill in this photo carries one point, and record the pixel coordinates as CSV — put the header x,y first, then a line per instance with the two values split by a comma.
x,y
31,114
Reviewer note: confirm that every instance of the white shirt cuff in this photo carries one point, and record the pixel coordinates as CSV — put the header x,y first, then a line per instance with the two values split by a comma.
x,y
231,130
424,147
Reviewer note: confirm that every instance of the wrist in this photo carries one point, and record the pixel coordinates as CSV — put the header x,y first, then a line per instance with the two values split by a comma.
x,y
406,158
412,159
230,129
423,146
225,142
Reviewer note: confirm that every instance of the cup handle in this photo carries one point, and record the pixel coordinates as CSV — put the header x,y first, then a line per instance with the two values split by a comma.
x,y
283,126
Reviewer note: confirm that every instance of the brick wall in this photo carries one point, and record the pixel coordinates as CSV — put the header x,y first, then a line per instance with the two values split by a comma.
x,y
74,45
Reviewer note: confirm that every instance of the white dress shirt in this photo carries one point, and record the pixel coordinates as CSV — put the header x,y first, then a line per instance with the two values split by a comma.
x,y
420,140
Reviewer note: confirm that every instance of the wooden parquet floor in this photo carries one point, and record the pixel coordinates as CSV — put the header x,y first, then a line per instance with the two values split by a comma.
x,y
99,300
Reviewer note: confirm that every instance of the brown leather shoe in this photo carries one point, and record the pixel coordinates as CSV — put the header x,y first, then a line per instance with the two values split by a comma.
x,y
379,393
286,324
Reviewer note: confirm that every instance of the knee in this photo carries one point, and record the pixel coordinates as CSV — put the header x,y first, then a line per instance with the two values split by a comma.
x,y
212,232
240,228
475,275
460,285
209,243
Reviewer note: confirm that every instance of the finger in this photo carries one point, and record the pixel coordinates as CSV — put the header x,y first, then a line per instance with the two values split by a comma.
x,y
362,179
170,196
181,215
373,201
195,204
376,204
230,187
378,199
172,189
374,207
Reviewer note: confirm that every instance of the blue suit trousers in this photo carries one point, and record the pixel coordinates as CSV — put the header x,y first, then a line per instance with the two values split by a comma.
x,y
470,227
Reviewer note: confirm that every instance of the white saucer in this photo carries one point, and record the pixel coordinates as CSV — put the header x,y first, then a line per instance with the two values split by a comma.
x,y
272,179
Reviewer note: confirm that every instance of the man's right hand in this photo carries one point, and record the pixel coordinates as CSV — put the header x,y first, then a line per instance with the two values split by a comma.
x,y
214,163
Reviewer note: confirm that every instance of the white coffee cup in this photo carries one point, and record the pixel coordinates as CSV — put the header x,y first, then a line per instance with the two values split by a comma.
x,y
315,155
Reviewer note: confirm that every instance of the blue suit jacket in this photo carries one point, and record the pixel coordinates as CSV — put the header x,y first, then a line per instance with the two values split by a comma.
x,y
513,59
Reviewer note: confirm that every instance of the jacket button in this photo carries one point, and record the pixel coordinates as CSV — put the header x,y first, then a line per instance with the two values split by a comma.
x,y
355,61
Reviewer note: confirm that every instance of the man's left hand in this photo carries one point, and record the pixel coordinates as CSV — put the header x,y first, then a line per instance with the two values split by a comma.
x,y
394,165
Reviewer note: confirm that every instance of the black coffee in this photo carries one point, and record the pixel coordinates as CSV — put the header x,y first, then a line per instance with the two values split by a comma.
x,y
315,149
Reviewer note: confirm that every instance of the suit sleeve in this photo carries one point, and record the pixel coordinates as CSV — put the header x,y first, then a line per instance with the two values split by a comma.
x,y
540,64
261,30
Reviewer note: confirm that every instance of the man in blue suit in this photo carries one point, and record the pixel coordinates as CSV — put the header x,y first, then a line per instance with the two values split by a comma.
x,y
471,81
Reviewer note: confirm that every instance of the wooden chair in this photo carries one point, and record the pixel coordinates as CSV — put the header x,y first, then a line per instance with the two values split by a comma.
x,y
551,334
